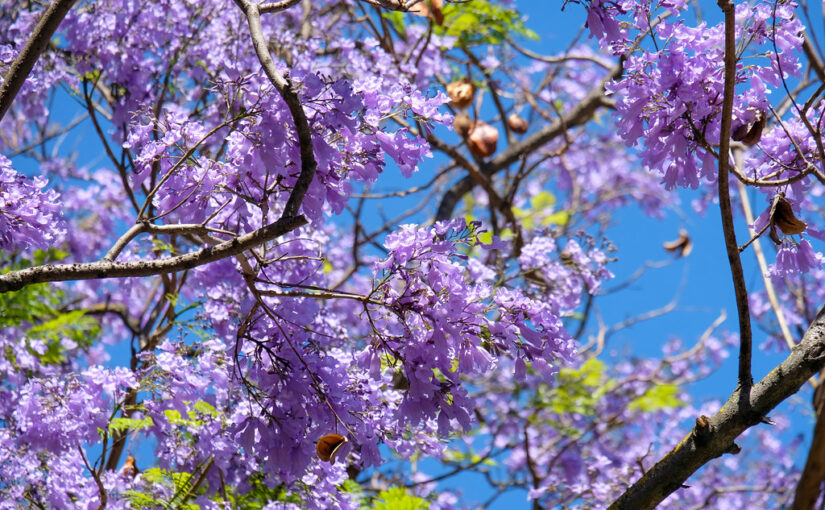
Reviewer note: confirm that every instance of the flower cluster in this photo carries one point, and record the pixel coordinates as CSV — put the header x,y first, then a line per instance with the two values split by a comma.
x,y
670,99
29,215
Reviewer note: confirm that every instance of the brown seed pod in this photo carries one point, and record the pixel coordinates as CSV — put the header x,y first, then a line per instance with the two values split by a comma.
x,y
462,124
129,468
461,93
328,446
783,217
517,124
483,139
683,245
750,133
400,381
430,9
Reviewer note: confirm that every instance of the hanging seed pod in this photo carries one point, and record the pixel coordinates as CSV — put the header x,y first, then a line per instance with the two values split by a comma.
x,y
517,124
461,93
429,9
750,133
328,446
129,468
782,216
400,381
462,124
682,246
483,139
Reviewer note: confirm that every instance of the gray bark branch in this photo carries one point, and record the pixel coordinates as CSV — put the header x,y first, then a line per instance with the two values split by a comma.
x,y
16,280
739,413
24,63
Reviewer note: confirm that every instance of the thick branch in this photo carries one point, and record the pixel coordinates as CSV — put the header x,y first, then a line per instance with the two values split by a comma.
x,y
745,348
393,5
813,57
741,411
808,488
24,63
106,269
285,88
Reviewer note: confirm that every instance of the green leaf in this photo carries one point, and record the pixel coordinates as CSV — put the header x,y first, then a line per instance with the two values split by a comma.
x,y
396,19
206,408
175,418
124,424
397,498
577,391
543,200
481,22
486,237
661,396
557,218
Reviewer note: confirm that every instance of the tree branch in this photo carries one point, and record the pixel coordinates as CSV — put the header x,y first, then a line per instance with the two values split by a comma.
x,y
580,114
16,280
285,88
810,482
742,411
745,347
24,63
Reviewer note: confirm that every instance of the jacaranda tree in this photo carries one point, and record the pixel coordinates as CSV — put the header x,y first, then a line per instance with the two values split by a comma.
x,y
296,249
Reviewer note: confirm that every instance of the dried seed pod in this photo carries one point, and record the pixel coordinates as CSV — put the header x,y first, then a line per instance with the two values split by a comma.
x,y
129,468
462,124
400,381
783,217
328,446
683,245
750,133
517,124
430,9
483,139
461,93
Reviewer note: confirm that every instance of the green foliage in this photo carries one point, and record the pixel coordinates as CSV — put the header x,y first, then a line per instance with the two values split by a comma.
x,y
472,23
28,304
397,498
129,424
259,495
661,396
541,206
576,391
185,485
396,19
482,22
36,310
468,457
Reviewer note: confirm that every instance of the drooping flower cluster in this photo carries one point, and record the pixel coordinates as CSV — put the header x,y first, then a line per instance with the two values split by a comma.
x,y
669,101
29,215
438,330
